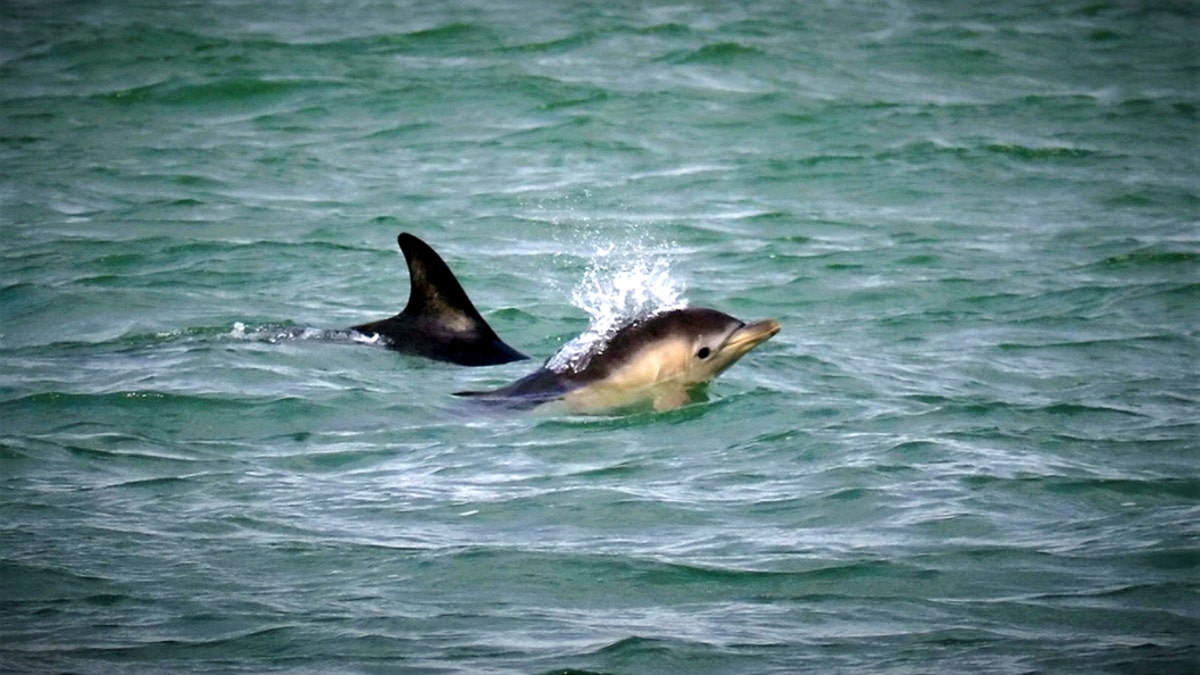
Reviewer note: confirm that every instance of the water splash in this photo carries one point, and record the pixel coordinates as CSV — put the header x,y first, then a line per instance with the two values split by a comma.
x,y
282,333
623,283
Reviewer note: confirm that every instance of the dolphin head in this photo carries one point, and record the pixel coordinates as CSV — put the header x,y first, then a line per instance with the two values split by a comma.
x,y
719,341
692,345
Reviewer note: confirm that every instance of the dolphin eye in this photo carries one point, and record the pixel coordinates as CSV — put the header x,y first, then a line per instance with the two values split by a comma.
x,y
703,353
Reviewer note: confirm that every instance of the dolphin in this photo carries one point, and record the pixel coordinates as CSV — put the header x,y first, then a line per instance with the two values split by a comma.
x,y
439,322
657,360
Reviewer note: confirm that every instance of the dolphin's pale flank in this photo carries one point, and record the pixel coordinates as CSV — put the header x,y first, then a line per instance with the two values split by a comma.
x,y
439,322
656,361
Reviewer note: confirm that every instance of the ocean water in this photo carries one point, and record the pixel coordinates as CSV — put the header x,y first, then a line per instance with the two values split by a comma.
x,y
973,446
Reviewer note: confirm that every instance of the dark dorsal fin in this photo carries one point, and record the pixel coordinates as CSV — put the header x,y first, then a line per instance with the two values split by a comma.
x,y
439,322
434,290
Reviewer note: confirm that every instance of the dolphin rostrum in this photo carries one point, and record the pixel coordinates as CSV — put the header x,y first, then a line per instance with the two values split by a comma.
x,y
657,360
439,321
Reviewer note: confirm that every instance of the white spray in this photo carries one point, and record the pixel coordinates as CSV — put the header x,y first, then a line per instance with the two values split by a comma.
x,y
622,284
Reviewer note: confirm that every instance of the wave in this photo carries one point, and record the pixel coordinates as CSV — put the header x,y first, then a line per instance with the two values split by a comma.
x,y
218,92
720,54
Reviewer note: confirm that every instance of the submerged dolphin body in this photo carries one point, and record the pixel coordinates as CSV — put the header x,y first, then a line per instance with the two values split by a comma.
x,y
657,360
439,321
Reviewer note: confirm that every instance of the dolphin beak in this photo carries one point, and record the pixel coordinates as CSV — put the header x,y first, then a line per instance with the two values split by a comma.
x,y
751,335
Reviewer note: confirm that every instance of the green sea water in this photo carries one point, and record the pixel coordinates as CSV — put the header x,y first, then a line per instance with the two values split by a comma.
x,y
974,445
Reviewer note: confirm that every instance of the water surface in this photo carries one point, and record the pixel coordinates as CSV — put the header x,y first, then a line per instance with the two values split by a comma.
x,y
973,446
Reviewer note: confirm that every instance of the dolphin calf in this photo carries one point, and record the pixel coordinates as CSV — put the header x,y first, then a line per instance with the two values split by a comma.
x,y
657,360
439,322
